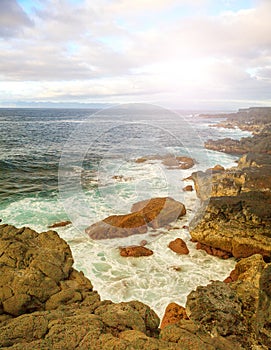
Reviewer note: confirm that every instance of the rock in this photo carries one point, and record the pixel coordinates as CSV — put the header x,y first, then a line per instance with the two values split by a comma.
x,y
188,188
60,224
118,226
263,315
253,173
178,246
217,309
189,336
135,251
214,251
55,307
178,162
248,269
155,213
173,314
32,268
159,212
170,161
218,167
239,225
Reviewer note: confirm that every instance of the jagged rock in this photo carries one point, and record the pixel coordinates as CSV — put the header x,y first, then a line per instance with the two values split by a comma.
x,y
155,213
217,309
173,314
135,251
239,225
232,182
178,246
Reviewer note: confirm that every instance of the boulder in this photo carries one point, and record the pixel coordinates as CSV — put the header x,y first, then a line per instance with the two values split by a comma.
x,y
155,213
174,313
178,246
135,251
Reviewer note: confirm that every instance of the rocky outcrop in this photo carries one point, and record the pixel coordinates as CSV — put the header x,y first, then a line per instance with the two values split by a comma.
x,y
46,304
174,313
155,213
135,251
235,217
253,173
239,225
256,120
179,246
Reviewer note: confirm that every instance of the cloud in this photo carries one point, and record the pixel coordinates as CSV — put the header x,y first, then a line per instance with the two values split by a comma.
x,y
12,18
110,49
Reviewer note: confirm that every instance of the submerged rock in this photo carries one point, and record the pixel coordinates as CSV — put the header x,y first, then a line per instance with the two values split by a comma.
x,y
155,213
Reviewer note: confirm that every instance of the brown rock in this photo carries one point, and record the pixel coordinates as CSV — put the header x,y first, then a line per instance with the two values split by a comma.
x,y
239,225
60,224
118,226
135,251
155,213
188,188
159,212
178,246
173,314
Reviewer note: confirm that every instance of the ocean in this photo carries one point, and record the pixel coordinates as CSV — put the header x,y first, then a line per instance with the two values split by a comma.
x,y
82,165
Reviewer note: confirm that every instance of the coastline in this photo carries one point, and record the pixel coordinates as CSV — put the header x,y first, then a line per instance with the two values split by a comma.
x,y
215,331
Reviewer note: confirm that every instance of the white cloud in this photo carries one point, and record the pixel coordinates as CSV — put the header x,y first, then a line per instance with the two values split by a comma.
x,y
12,18
89,50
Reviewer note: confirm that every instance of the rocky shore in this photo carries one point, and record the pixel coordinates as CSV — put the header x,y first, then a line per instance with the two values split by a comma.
x,y
46,304
256,120
235,218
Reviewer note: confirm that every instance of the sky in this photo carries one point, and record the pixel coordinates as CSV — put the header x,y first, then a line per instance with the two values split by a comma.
x,y
192,54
